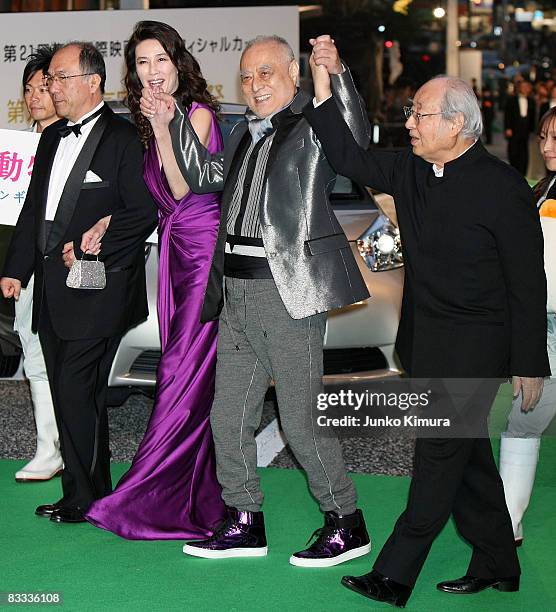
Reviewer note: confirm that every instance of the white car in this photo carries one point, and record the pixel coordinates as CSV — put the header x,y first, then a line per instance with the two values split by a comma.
x,y
359,339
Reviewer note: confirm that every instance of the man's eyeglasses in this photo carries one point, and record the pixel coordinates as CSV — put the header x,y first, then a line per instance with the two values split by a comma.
x,y
409,111
50,79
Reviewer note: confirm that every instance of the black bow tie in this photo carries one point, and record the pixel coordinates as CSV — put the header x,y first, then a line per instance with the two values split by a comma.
x,y
66,130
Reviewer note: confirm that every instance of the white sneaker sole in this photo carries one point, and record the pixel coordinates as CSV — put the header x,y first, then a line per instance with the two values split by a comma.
x,y
194,551
347,556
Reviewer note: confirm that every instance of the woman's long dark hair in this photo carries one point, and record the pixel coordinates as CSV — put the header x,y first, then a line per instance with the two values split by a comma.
x,y
544,124
192,87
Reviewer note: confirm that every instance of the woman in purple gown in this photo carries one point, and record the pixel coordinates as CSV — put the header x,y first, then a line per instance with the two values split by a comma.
x,y
171,491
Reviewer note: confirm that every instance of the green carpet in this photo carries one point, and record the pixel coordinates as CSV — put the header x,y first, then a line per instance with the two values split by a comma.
x,y
95,570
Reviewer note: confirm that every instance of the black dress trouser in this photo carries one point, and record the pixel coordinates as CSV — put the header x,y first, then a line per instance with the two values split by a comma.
x,y
452,476
518,153
518,146
78,373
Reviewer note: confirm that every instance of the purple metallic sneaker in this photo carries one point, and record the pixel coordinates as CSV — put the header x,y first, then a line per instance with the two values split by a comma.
x,y
242,534
342,538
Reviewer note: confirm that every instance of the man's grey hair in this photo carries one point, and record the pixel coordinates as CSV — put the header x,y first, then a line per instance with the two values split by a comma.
x,y
271,38
459,97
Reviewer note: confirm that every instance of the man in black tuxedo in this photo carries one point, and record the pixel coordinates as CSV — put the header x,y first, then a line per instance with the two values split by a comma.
x,y
88,166
519,124
473,308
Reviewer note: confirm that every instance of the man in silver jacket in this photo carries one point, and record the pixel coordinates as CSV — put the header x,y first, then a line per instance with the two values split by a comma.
x,y
281,262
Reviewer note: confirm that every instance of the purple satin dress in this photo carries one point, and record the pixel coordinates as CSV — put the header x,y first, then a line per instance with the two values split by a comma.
x,y
171,491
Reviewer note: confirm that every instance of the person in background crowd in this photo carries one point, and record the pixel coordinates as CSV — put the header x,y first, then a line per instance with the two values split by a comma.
x,y
519,123
519,446
475,88
487,109
403,90
478,314
535,167
47,461
86,168
550,101
35,91
171,490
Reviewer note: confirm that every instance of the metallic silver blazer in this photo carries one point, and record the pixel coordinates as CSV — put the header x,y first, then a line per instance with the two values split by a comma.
x,y
308,253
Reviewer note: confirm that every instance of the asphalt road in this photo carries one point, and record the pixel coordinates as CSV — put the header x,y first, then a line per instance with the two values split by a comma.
x,y
381,454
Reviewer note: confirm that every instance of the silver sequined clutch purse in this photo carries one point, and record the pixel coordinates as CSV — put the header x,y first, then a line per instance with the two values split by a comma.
x,y
85,274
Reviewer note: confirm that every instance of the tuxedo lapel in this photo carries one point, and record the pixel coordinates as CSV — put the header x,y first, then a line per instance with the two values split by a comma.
x,y
72,188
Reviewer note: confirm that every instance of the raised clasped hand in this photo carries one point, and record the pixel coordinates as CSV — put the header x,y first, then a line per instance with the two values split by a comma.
x,y
158,107
325,54
324,61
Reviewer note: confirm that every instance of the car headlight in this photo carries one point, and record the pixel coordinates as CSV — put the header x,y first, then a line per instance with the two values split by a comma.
x,y
380,245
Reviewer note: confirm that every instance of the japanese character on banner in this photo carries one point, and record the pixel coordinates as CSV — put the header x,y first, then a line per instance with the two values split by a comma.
x,y
201,44
25,51
16,111
10,53
20,196
216,91
102,47
30,166
10,166
115,48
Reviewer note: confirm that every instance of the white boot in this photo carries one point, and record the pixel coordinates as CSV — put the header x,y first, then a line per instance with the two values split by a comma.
x,y
47,461
518,464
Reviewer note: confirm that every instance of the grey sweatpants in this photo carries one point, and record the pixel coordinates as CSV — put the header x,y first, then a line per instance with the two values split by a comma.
x,y
271,345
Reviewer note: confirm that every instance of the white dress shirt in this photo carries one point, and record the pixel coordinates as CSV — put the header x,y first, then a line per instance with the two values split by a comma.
x,y
523,106
66,154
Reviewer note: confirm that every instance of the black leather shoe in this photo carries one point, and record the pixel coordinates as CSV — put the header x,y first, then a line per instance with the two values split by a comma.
x,y
380,588
469,585
68,515
47,509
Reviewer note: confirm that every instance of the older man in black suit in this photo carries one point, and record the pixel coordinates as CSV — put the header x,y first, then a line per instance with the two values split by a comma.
x,y
88,166
473,307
